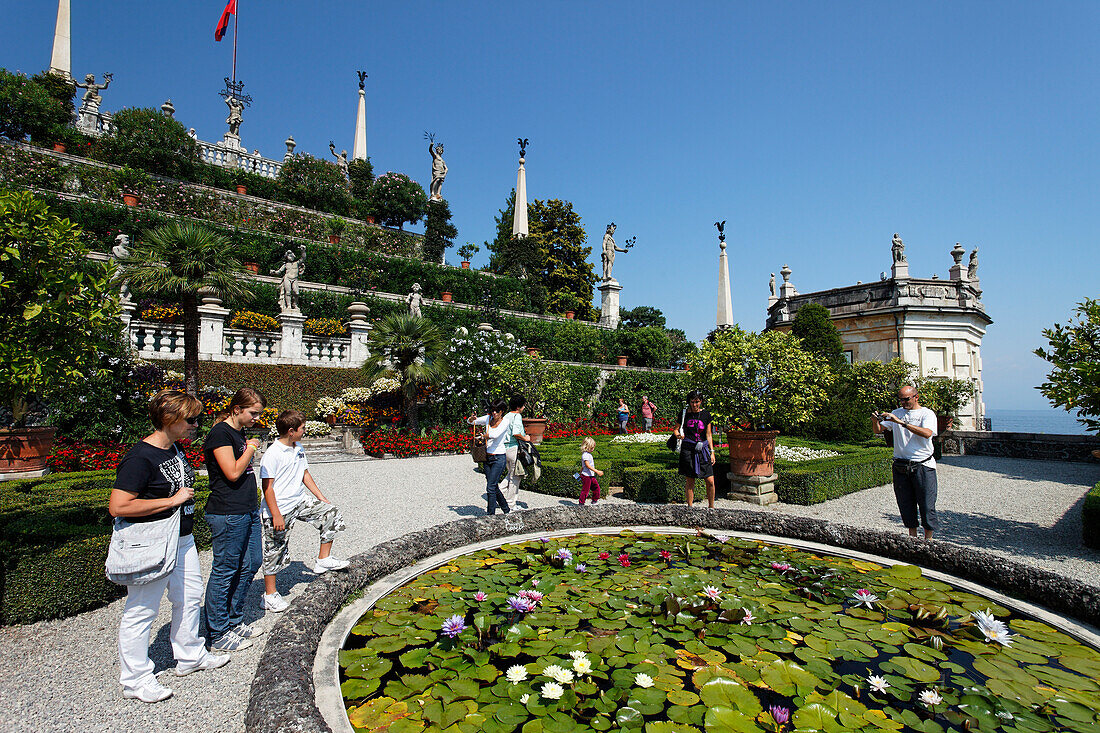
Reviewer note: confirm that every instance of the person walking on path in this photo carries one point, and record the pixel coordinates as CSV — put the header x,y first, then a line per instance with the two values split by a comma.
x,y
915,482
515,471
624,415
497,430
589,472
233,513
648,409
697,449
153,480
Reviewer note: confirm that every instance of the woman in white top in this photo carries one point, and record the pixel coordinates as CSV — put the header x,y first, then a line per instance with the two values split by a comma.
x,y
497,432
514,472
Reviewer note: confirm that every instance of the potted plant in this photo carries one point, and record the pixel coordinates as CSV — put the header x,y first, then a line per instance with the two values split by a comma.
x,y
133,184
250,252
538,382
328,408
242,189
446,295
467,251
945,397
532,351
757,383
620,360
336,227
59,147
569,315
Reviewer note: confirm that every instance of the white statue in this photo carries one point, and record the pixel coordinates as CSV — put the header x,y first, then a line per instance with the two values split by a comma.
x,y
972,266
771,285
439,170
89,103
897,248
120,251
341,159
415,300
291,270
235,118
609,250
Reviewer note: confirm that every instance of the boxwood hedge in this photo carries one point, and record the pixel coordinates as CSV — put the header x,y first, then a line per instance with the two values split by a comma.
x,y
1090,518
54,533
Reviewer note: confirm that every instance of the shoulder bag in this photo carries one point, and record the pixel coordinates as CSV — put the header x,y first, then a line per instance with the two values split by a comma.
x,y
141,552
477,447
672,443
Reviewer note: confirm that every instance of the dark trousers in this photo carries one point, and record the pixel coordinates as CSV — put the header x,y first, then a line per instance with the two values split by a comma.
x,y
238,554
589,483
495,465
915,487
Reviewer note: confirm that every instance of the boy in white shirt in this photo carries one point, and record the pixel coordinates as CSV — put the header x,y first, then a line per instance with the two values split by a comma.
x,y
291,494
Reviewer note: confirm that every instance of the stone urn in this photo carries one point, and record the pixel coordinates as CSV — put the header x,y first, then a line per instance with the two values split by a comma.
x,y
752,452
59,147
130,199
358,311
534,428
446,296
621,360
569,315
25,449
465,264
242,190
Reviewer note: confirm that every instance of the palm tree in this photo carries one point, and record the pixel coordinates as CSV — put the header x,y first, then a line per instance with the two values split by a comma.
x,y
176,261
409,349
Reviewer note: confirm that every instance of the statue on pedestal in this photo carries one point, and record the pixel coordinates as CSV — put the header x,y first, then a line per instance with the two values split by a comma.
x,y
897,248
92,98
771,286
439,168
291,270
119,252
972,266
609,250
235,118
415,300
341,159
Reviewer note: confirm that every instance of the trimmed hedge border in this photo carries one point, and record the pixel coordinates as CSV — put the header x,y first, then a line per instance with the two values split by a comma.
x,y
1090,518
55,532
813,482
282,697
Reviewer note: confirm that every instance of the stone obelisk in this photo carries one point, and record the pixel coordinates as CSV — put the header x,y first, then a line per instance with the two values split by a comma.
x,y
359,149
725,298
61,60
519,217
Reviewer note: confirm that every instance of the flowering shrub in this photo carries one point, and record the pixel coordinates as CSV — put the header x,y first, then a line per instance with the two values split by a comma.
x,y
395,199
314,429
797,453
250,321
471,357
640,438
327,327
370,417
163,314
382,386
403,443
329,406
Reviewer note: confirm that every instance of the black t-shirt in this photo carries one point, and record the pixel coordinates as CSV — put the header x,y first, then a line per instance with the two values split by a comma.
x,y
150,472
695,426
228,497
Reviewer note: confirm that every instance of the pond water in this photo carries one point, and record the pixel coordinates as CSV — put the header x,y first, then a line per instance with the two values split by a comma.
x,y
667,633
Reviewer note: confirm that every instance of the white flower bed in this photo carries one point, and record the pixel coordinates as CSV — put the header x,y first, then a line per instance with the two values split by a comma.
x,y
640,438
362,394
314,429
795,454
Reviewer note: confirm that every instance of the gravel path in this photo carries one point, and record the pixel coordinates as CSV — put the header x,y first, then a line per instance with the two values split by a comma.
x,y
63,675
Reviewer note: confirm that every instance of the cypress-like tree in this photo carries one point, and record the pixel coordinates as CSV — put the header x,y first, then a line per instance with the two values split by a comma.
x,y
815,327
439,232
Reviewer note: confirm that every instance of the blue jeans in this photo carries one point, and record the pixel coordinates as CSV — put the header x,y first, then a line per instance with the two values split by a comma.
x,y
238,554
495,463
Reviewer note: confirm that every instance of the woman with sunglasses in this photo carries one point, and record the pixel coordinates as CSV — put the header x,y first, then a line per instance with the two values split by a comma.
x,y
153,480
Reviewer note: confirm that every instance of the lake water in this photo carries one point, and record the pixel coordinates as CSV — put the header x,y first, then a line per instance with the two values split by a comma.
x,y
1058,422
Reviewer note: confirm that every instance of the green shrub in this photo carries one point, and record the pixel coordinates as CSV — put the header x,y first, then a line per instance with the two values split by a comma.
x,y
360,177
395,199
651,485
40,106
812,482
55,534
648,347
1090,518
315,184
151,141
666,391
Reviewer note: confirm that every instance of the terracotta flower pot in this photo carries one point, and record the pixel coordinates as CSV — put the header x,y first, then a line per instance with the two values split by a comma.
x,y
532,351
943,424
130,199
446,297
465,264
242,190
535,428
621,360
252,267
752,452
59,147
334,239
330,419
25,449
369,220
569,315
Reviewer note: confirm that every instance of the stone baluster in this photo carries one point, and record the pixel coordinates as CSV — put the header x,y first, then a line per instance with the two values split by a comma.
x,y
359,328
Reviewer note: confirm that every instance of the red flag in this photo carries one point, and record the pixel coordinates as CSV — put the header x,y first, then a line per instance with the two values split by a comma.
x,y
223,22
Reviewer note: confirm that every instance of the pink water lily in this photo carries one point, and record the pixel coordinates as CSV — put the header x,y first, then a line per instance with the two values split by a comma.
x,y
864,597
712,593
748,619
480,596
666,555
781,566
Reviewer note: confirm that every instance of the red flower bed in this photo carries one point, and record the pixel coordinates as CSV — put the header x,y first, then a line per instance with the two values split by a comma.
x,y
599,426
403,443
74,455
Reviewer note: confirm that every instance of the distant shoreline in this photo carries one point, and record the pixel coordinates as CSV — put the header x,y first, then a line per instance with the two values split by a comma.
x,y
1050,422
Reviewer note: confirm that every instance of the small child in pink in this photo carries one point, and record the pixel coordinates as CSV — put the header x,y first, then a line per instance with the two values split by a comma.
x,y
589,472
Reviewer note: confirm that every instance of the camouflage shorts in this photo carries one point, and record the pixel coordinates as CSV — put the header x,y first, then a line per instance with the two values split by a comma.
x,y
325,517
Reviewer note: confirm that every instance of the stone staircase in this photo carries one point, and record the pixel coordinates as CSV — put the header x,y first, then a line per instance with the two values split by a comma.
x,y
331,450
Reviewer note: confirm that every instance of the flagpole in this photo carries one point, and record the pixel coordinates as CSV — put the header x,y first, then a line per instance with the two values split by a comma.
x,y
236,22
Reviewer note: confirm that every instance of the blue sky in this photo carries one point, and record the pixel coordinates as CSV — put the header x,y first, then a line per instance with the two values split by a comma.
x,y
815,129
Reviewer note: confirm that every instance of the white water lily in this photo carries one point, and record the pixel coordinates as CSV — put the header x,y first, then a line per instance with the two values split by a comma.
x,y
516,673
552,691
578,654
643,680
582,665
864,597
524,698
930,697
877,683
553,671
712,593
998,634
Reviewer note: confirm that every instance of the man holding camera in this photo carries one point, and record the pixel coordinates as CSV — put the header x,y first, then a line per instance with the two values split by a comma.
x,y
915,481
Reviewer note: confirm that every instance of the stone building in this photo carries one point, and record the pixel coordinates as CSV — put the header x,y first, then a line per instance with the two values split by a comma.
x,y
936,324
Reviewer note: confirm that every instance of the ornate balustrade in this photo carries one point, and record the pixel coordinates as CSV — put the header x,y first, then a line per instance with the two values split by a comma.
x,y
241,344
157,340
222,155
334,350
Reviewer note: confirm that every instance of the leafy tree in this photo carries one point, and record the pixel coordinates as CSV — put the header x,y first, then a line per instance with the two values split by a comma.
x,y
439,233
410,350
566,272
546,387
760,380
865,387
819,335
649,346
643,316
682,349
104,404
396,200
175,262
1074,350
154,142
39,106
57,310
360,178
314,183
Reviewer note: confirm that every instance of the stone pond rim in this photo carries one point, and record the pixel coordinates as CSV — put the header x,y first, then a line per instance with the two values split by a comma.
x,y
282,693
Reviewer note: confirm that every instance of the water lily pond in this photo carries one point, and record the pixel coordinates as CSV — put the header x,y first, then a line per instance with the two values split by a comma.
x,y
669,633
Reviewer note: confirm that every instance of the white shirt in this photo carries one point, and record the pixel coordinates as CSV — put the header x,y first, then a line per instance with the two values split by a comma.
x,y
586,458
495,438
909,445
286,464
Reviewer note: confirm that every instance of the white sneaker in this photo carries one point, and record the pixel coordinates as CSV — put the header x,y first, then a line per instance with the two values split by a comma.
x,y
152,692
274,603
248,632
210,661
328,563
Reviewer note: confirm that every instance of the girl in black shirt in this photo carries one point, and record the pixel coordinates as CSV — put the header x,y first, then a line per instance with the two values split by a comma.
x,y
697,450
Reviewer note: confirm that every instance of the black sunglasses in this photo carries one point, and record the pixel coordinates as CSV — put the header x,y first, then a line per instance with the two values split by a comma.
x,y
196,420
906,399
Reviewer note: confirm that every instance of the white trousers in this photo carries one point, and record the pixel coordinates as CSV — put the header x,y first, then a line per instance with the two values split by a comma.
x,y
185,591
509,487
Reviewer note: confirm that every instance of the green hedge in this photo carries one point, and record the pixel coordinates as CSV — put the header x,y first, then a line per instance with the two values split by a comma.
x,y
1090,518
666,391
812,482
55,531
